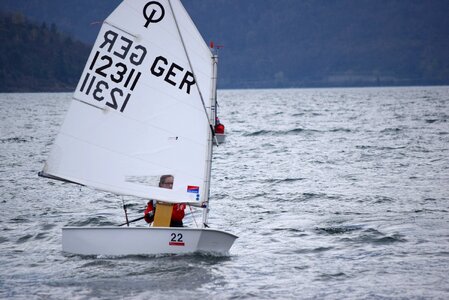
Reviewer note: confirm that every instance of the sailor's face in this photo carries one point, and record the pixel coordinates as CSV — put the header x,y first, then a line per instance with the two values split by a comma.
x,y
168,183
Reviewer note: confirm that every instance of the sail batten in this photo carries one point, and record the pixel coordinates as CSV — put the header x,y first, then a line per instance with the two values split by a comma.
x,y
138,110
121,29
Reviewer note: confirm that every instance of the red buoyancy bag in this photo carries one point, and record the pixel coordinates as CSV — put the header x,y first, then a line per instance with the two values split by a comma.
x,y
219,128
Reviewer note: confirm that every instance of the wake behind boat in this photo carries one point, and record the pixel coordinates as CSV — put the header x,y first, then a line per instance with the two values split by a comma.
x,y
144,108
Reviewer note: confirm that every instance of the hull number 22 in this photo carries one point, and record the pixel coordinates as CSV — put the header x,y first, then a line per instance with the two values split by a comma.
x,y
176,240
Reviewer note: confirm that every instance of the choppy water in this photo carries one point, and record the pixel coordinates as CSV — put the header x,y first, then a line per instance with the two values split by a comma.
x,y
335,194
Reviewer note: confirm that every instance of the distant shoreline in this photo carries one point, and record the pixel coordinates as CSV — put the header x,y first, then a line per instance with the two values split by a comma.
x,y
71,90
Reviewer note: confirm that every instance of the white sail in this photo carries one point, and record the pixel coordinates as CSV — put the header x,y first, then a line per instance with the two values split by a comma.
x,y
139,110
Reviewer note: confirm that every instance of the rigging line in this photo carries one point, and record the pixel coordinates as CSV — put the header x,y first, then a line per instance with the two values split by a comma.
x,y
193,215
191,67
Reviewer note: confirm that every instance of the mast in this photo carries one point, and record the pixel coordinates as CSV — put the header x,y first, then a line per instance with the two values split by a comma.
x,y
213,101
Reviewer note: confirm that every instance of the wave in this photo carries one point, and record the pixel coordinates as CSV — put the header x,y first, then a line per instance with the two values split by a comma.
x,y
391,130
334,276
312,250
363,147
16,140
278,180
442,120
93,221
294,131
373,236
338,229
340,130
310,196
24,238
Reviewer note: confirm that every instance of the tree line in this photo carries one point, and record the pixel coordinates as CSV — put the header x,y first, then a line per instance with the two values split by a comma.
x,y
267,43
37,57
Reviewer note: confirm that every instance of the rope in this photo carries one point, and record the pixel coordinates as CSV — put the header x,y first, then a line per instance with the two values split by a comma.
x,y
193,216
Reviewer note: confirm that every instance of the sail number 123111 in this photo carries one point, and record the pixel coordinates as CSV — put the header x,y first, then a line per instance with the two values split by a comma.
x,y
93,84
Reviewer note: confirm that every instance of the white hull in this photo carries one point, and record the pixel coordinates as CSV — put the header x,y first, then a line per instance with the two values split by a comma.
x,y
220,138
140,240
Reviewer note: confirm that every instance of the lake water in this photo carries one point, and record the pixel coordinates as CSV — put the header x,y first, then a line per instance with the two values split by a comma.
x,y
334,194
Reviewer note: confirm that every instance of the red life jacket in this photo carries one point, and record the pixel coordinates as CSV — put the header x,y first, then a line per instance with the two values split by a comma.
x,y
178,212
149,209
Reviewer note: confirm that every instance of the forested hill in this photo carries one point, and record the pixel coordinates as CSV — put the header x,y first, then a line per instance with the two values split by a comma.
x,y
296,43
37,57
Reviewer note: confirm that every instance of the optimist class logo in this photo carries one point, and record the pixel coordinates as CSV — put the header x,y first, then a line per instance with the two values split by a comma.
x,y
153,12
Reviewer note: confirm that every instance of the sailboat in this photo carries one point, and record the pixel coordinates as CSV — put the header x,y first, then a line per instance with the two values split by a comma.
x,y
219,128
143,108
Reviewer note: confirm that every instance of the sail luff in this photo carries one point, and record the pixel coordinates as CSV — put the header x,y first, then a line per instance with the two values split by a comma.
x,y
207,182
